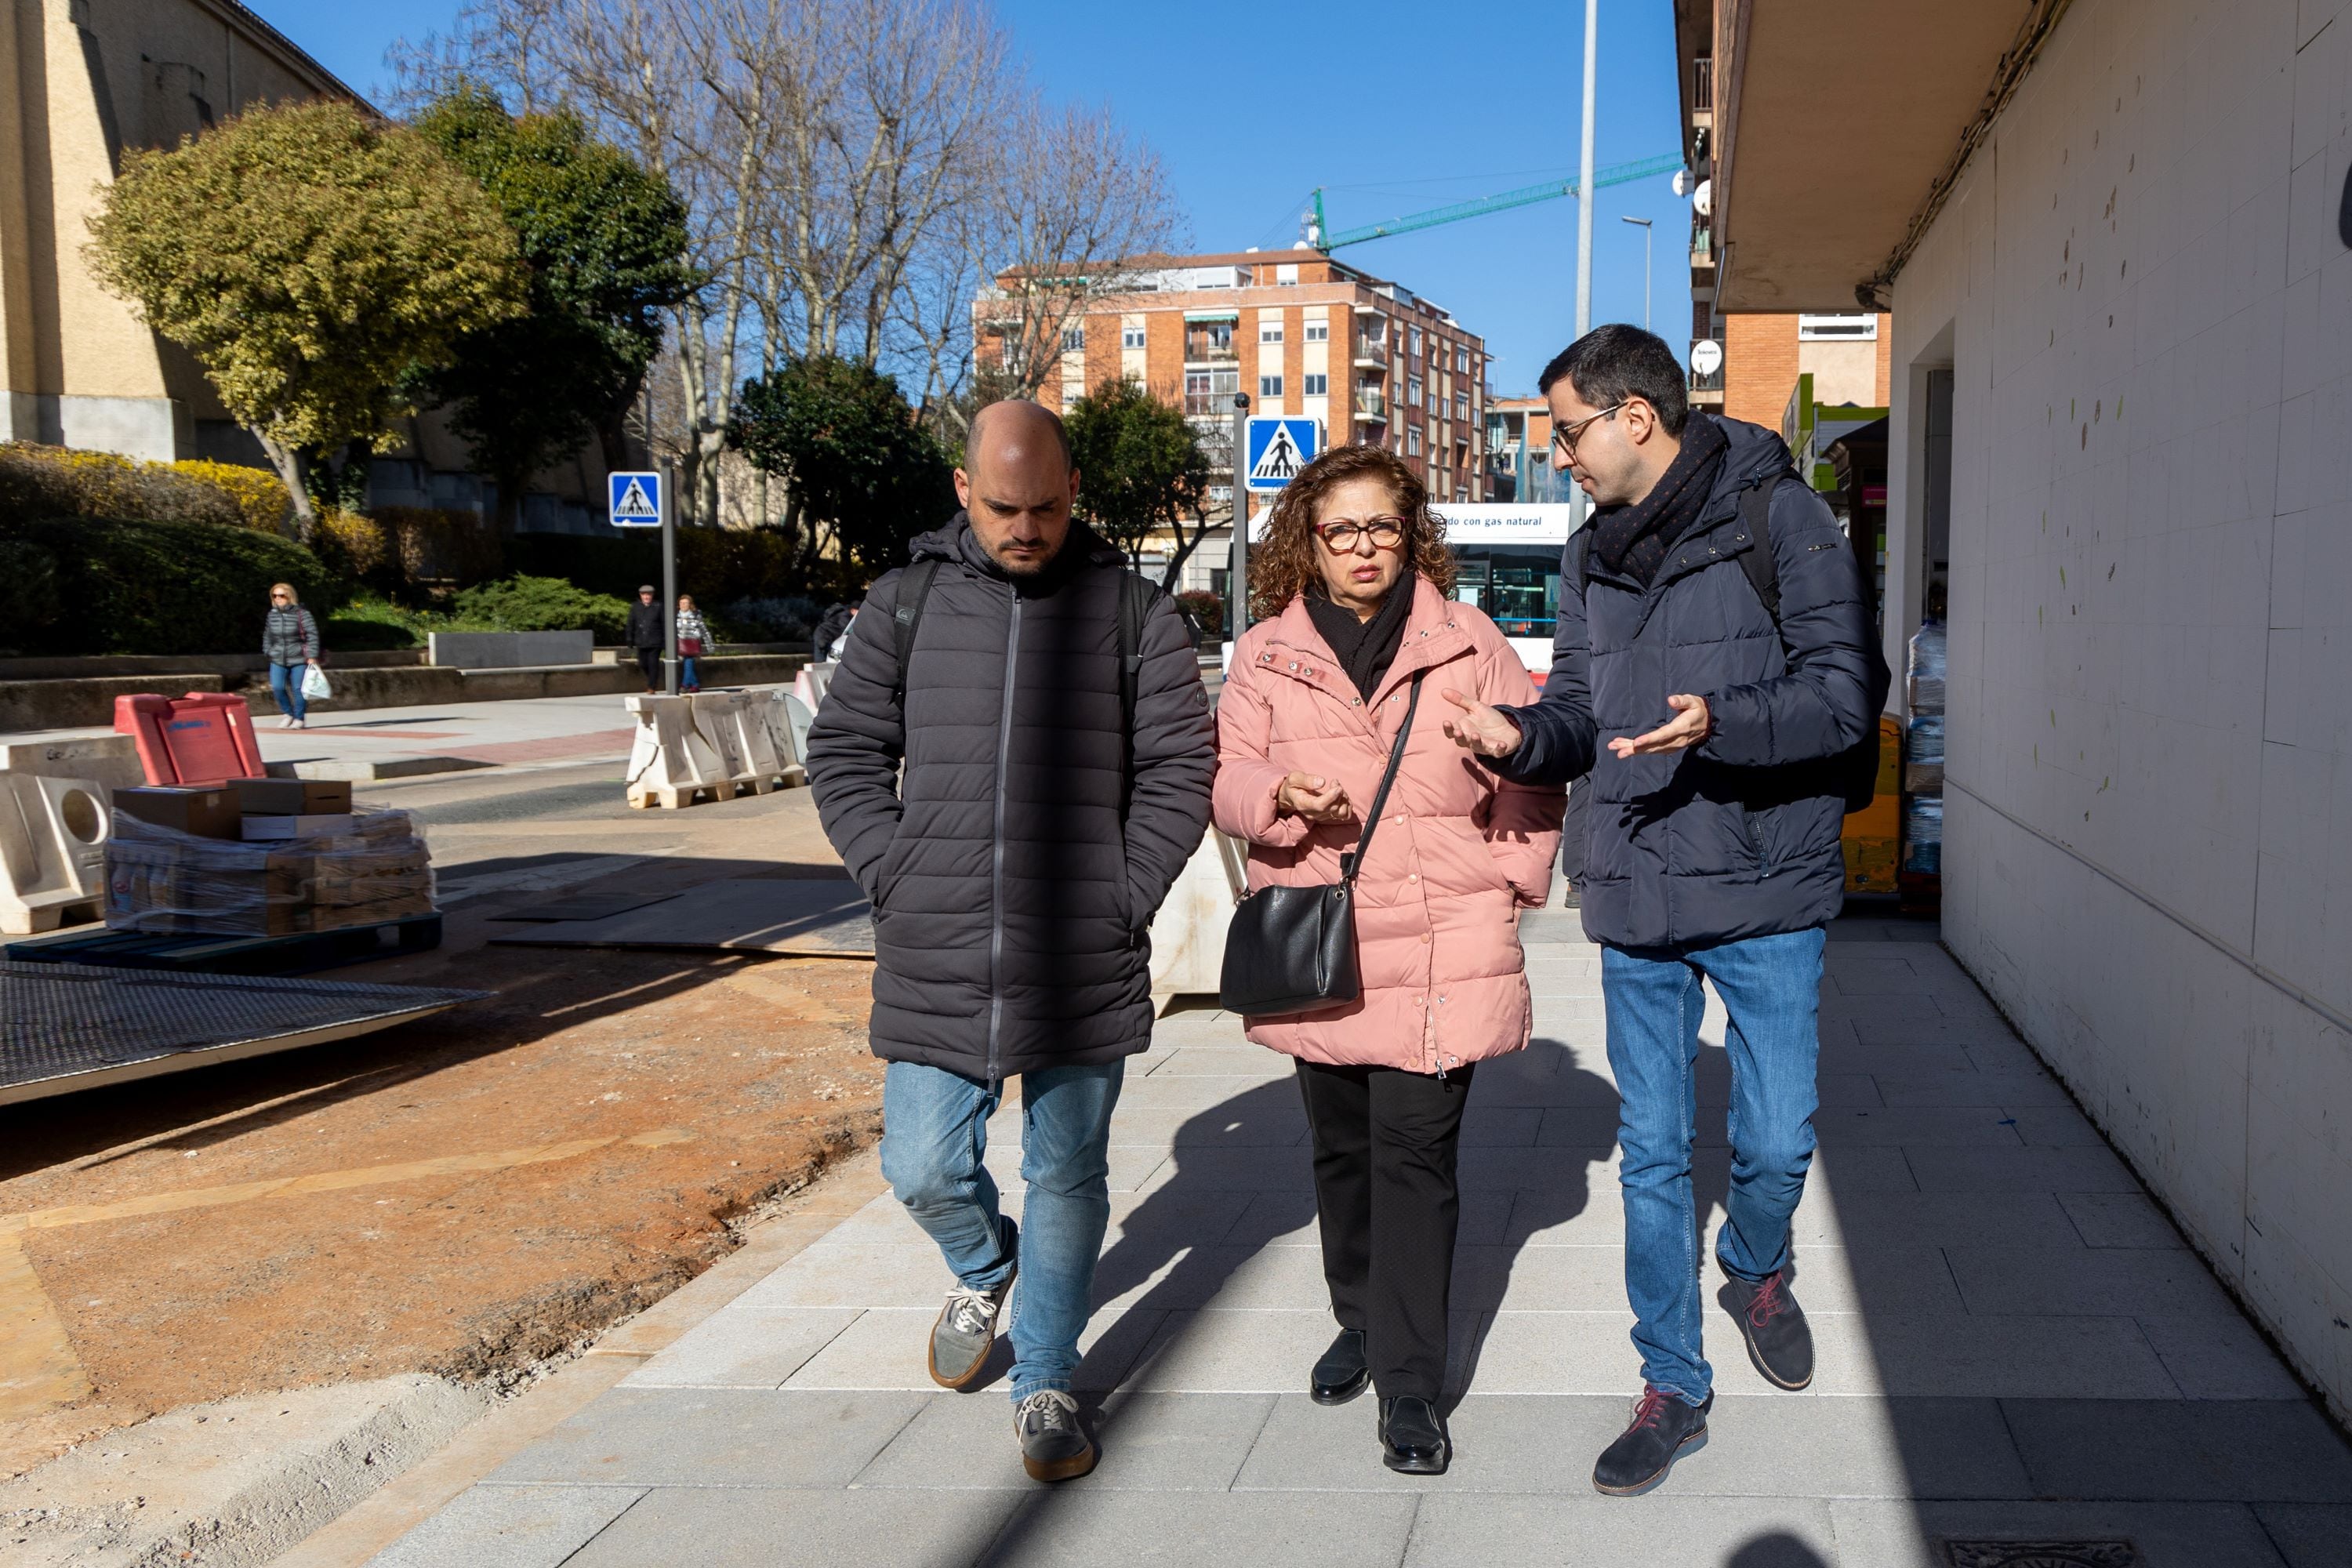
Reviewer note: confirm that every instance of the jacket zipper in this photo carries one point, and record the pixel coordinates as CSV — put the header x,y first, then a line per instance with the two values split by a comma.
x,y
996,866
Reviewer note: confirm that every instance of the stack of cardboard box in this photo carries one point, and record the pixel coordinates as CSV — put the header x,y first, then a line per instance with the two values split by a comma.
x,y
261,858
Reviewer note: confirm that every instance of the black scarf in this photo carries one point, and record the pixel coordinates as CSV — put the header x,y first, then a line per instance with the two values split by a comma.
x,y
1633,539
1365,648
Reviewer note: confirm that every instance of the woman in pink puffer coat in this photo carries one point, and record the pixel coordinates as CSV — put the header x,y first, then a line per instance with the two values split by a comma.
x,y
1354,577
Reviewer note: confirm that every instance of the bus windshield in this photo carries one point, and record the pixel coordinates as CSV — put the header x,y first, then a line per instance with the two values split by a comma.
x,y
1517,584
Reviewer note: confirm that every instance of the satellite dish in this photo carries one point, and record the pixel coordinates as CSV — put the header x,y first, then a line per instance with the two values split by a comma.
x,y
1703,199
1707,356
1681,182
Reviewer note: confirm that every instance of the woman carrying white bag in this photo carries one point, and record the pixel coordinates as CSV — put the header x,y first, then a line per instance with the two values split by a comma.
x,y
289,641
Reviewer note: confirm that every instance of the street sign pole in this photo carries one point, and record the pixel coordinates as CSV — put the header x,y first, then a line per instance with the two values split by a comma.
x,y
1239,586
669,577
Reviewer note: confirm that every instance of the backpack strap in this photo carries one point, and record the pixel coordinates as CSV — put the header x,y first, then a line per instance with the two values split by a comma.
x,y
914,588
1762,566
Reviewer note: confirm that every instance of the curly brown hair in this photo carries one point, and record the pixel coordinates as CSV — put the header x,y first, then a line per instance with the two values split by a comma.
x,y
1284,566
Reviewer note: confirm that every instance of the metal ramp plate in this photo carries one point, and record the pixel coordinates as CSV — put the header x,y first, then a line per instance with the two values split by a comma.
x,y
67,1027
815,917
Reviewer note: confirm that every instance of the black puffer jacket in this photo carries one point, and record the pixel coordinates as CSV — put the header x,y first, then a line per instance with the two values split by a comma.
x,y
646,628
1736,836
1010,904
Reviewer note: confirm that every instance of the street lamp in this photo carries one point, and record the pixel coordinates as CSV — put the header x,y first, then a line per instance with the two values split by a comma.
x,y
1645,268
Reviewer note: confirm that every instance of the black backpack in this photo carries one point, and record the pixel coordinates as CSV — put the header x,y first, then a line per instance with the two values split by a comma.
x,y
1134,600
1856,769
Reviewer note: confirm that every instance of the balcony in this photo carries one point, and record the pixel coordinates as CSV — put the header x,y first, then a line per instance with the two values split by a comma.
x,y
1372,353
1371,405
1702,242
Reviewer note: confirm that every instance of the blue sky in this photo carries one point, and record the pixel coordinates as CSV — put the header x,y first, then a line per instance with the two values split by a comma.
x,y
1391,107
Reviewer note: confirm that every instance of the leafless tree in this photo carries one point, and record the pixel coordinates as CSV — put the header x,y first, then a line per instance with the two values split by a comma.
x,y
857,172
1077,210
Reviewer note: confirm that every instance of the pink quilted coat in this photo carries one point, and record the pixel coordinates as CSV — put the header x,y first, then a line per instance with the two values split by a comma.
x,y
1458,853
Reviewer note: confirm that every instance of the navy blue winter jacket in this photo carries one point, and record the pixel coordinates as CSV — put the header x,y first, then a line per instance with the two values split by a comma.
x,y
1736,836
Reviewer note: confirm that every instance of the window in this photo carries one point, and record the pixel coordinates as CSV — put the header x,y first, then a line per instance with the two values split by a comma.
x,y
1461,406
1461,361
1211,391
1319,331
1314,384
1073,338
1269,386
1269,329
1850,326
1413,393
1131,337
1412,441
1413,341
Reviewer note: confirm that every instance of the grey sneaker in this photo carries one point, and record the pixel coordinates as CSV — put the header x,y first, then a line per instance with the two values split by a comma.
x,y
1054,1446
965,1331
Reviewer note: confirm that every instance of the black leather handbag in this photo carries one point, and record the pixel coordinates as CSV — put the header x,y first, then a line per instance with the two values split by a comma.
x,y
1293,950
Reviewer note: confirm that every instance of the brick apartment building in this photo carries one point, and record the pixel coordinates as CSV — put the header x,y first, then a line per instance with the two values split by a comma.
x,y
1302,335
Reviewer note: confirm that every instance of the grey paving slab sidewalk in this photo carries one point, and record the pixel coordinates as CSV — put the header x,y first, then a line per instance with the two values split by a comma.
x,y
2014,1344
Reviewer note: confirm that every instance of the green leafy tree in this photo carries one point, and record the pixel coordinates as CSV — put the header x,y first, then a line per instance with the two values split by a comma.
x,y
863,476
1140,471
310,257
605,245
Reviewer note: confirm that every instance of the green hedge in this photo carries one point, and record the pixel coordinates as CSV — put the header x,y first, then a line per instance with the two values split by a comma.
x,y
91,585
545,604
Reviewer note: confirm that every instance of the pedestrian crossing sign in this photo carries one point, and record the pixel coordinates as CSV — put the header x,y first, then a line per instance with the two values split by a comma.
x,y
635,500
1278,446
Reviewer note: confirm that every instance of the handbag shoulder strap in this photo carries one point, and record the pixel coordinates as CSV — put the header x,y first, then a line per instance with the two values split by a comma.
x,y
1354,858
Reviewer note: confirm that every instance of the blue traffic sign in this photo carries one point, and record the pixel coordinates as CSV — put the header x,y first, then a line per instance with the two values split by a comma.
x,y
1279,446
637,499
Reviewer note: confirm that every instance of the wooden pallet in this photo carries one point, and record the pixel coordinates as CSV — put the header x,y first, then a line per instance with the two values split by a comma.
x,y
296,954
49,917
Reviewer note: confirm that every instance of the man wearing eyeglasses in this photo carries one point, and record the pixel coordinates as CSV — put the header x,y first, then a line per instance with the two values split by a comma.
x,y
1714,633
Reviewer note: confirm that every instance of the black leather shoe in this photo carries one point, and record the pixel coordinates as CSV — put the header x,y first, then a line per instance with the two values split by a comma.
x,y
1779,1341
1343,1373
1664,1430
1412,1436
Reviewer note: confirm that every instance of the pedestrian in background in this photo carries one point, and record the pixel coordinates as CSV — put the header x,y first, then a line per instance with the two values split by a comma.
x,y
693,637
1016,771
1733,692
289,641
825,642
646,635
1357,578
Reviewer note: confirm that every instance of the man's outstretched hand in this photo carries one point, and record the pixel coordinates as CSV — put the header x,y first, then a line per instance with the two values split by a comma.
x,y
1688,728
1481,729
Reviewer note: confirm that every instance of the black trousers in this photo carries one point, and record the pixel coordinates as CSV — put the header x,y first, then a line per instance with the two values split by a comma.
x,y
650,659
1387,1203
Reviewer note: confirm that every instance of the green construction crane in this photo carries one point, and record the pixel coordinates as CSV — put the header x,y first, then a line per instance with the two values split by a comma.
x,y
1619,175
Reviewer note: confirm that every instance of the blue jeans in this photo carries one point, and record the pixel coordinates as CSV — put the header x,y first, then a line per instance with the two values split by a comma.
x,y
286,685
934,1132
686,679
1770,987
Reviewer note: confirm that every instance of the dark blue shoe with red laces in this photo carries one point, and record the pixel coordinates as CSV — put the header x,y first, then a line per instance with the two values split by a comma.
x,y
1664,1429
1779,1341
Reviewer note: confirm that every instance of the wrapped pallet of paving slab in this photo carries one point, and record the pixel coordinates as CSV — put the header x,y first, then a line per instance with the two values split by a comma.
x,y
161,879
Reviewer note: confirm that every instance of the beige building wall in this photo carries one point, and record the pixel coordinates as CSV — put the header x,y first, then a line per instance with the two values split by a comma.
x,y
85,81
2138,289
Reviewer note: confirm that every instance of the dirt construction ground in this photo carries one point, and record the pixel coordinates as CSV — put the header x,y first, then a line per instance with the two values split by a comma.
x,y
487,1189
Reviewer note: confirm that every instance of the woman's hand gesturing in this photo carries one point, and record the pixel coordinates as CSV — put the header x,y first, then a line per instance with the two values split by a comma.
x,y
1314,799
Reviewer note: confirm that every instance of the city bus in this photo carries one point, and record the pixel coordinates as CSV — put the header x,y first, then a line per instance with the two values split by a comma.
x,y
1508,565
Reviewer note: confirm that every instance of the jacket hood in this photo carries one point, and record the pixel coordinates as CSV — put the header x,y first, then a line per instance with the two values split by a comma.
x,y
952,542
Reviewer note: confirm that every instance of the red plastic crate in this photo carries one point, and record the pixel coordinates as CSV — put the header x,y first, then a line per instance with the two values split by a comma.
x,y
204,738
